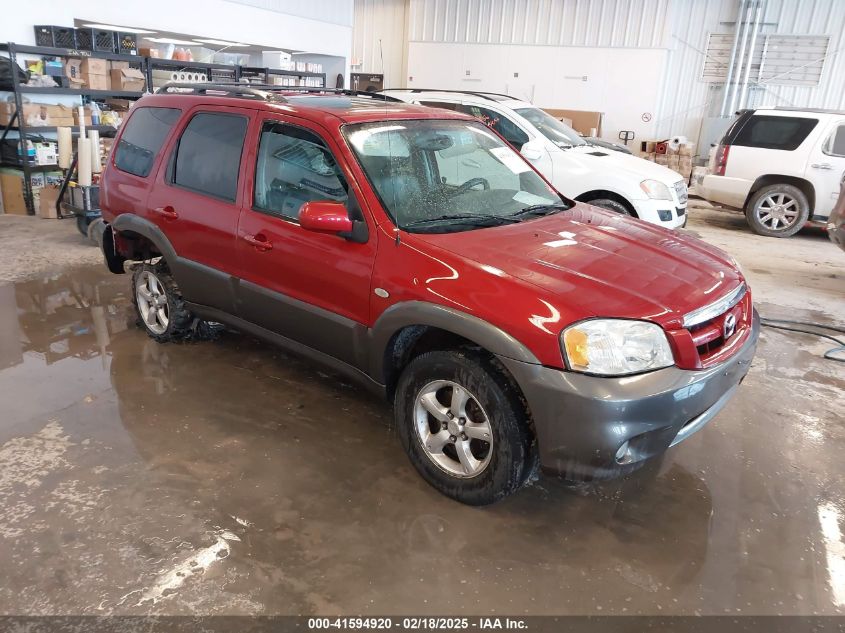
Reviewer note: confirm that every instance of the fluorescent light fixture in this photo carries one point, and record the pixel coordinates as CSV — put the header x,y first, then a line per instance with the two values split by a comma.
x,y
170,40
222,43
112,27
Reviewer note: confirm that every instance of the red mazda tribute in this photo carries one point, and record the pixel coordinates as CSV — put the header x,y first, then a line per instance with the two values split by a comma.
x,y
414,250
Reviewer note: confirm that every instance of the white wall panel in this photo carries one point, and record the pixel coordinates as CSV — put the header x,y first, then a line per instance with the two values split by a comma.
x,y
607,23
332,11
380,33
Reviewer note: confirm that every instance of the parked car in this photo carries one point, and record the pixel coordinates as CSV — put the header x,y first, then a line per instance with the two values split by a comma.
x,y
781,166
579,170
415,251
836,221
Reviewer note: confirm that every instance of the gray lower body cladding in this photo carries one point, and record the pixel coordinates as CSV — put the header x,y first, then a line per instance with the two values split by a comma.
x,y
582,422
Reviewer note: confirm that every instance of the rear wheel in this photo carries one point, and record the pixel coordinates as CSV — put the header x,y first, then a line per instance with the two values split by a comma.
x,y
159,305
777,210
464,426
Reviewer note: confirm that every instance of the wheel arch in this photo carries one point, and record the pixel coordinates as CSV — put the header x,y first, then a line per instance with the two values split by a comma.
x,y
775,179
597,194
408,329
141,239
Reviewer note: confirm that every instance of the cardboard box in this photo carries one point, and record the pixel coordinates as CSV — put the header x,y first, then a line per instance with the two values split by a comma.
x,y
119,105
98,82
583,121
148,52
687,149
94,66
647,147
47,202
674,162
661,159
127,79
117,65
11,184
73,72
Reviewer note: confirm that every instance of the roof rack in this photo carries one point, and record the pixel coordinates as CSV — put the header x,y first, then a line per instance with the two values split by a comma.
x,y
264,92
245,91
484,95
814,110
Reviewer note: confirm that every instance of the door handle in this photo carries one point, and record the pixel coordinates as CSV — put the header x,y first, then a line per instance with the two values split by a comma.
x,y
821,166
258,241
167,212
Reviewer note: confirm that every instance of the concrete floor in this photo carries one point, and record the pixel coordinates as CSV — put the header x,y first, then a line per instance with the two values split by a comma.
x,y
226,477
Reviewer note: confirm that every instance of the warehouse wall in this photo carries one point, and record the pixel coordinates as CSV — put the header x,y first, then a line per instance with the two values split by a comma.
x,y
380,39
231,20
639,56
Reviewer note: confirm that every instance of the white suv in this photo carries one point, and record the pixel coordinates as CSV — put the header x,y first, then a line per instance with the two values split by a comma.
x,y
579,170
781,166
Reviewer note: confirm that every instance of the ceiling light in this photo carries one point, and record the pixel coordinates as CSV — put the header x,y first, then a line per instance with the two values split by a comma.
x,y
112,27
170,40
221,43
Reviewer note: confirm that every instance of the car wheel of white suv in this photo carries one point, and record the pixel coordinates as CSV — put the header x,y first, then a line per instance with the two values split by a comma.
x,y
611,205
777,210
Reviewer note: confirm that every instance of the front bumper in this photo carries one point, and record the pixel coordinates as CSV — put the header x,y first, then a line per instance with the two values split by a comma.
x,y
582,421
651,211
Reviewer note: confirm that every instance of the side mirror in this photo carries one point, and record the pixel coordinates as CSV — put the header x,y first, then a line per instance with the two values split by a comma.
x,y
325,216
532,150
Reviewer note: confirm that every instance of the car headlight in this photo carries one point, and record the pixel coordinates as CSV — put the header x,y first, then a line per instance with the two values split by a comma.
x,y
656,190
615,347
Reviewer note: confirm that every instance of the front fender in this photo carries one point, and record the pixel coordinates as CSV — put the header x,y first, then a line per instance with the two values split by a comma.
x,y
472,328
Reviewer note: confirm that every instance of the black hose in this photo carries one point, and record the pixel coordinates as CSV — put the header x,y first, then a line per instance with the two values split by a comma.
x,y
829,354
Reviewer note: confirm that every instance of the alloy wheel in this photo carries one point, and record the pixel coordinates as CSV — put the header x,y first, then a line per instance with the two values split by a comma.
x,y
778,211
152,302
453,428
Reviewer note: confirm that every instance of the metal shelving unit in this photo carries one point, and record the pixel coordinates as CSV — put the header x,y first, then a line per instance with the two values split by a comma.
x,y
18,124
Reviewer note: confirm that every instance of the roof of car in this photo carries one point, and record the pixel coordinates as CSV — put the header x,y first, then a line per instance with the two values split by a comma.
x,y
329,106
785,110
457,95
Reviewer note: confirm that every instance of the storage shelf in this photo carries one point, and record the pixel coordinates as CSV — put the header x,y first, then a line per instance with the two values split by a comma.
x,y
38,129
72,52
20,165
58,90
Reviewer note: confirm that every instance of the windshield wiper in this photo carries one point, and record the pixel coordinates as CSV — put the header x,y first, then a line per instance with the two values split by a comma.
x,y
472,218
542,209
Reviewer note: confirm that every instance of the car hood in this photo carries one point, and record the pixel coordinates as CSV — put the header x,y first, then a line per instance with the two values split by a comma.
x,y
589,262
601,158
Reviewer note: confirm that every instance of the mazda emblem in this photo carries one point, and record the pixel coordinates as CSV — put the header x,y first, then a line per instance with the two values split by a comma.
x,y
729,327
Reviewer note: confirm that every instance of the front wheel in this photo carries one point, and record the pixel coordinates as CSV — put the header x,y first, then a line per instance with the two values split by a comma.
x,y
612,205
464,426
777,211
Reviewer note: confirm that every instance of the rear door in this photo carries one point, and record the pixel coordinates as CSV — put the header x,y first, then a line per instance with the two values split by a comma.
x,y
198,198
825,167
311,287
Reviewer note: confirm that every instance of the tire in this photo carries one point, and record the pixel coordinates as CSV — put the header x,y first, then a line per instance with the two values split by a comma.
x,y
612,205
171,320
777,211
492,406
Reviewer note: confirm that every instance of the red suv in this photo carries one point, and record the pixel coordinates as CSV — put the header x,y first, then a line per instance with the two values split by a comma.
x,y
414,250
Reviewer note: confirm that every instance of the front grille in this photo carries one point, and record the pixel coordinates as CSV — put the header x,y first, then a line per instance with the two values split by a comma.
x,y
681,190
681,211
713,338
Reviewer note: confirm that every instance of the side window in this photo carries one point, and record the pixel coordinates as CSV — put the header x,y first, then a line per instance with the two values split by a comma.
x,y
142,139
208,156
509,130
835,145
294,167
775,132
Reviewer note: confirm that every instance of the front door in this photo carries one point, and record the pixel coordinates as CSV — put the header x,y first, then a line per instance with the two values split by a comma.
x,y
197,201
825,169
310,287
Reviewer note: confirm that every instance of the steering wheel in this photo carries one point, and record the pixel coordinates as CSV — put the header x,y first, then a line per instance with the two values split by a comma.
x,y
469,184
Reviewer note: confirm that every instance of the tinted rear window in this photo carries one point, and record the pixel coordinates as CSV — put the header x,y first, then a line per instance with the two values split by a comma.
x,y
208,158
774,132
142,139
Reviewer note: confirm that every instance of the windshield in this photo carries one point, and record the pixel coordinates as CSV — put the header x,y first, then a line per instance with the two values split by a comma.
x,y
556,131
442,176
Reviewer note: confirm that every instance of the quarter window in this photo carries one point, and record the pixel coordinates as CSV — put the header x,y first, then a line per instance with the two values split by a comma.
x,y
835,145
774,132
208,157
142,139
294,167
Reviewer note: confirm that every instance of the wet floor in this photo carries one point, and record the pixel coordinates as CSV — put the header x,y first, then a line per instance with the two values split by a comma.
x,y
227,477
